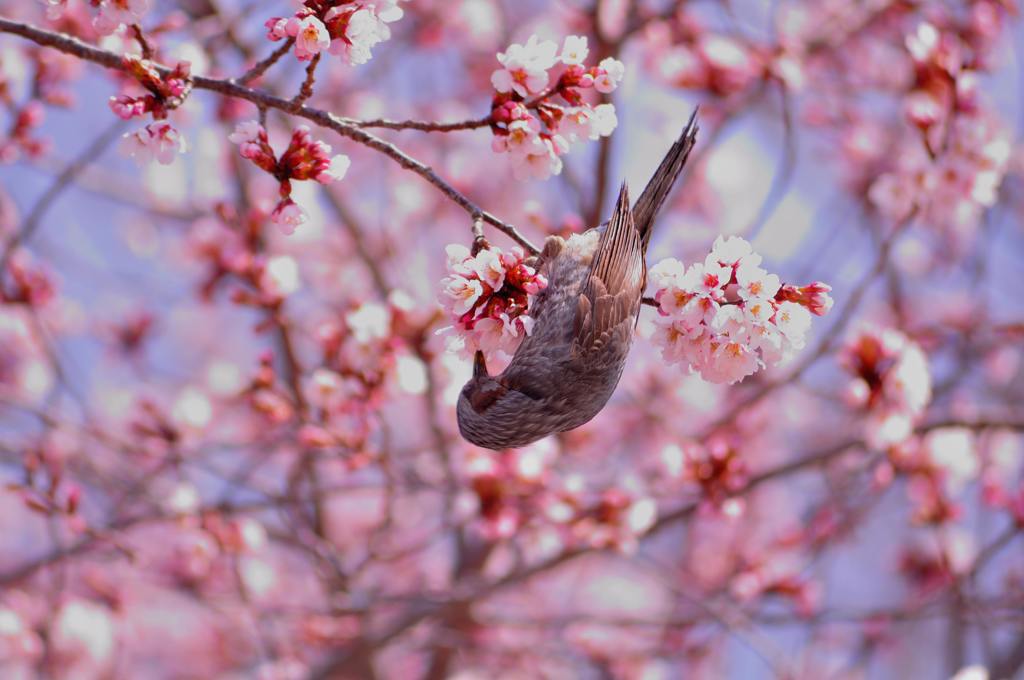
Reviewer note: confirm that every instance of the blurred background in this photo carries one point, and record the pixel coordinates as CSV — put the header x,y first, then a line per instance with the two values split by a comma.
x,y
227,451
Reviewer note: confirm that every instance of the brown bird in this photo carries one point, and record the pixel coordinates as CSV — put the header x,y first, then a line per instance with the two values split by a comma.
x,y
563,374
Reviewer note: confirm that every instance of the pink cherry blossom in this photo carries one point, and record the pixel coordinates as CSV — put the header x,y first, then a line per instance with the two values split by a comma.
x,y
488,295
112,14
574,50
610,73
727,317
288,215
350,29
525,67
335,171
311,37
158,141
125,107
892,382
529,126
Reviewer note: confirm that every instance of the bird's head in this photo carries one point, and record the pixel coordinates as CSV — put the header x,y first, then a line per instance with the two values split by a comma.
x,y
481,392
492,415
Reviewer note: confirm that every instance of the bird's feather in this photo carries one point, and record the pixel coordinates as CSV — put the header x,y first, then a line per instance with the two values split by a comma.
x,y
611,294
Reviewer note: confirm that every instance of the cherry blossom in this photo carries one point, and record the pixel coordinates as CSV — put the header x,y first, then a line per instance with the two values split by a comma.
x,y
116,13
288,215
536,133
488,296
349,29
165,91
525,67
574,50
158,141
727,318
304,159
609,74
891,381
310,35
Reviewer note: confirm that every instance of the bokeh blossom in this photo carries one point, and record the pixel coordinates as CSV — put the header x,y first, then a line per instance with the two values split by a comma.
x,y
113,14
891,382
158,141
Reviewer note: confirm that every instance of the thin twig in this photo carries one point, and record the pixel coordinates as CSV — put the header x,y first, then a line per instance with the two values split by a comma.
x,y
260,67
425,125
430,126
147,49
306,91
60,183
357,235
784,173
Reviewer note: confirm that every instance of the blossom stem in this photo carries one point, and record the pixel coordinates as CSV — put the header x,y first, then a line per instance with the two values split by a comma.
x,y
147,49
306,91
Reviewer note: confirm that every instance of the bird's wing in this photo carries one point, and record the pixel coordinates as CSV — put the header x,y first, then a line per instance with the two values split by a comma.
x,y
608,303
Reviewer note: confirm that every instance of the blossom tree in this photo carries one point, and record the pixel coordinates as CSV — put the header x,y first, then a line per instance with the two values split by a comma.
x,y
247,250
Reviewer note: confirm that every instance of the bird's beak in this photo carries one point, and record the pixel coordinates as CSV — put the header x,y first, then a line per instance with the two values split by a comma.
x,y
479,365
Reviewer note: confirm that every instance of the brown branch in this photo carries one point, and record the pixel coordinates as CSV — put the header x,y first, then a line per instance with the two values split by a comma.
x,y
783,175
424,125
430,126
325,119
260,67
147,49
306,91
356,234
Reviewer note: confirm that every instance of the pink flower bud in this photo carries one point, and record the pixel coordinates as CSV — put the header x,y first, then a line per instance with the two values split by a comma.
x,y
276,28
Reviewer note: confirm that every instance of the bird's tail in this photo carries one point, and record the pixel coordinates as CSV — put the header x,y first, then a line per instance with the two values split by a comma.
x,y
658,188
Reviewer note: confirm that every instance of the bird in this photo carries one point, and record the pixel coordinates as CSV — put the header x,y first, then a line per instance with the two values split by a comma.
x,y
566,370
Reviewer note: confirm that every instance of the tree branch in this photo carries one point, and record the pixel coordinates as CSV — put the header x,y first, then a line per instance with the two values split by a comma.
x,y
230,88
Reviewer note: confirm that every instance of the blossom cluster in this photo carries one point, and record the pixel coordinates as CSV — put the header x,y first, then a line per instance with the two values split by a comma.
x,y
515,489
45,76
953,187
113,14
891,381
690,56
24,371
21,138
778,572
716,467
349,29
530,127
164,92
304,159
158,141
726,318
25,282
951,170
488,297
